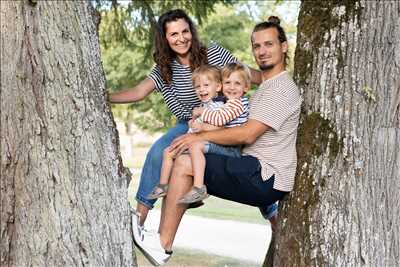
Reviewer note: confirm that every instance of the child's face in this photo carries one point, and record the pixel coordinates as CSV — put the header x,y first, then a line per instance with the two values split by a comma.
x,y
234,86
206,88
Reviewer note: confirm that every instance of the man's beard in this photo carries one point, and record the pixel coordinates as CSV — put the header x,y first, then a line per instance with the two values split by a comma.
x,y
265,67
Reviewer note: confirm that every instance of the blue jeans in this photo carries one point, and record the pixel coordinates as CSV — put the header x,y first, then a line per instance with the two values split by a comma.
x,y
269,211
239,180
151,170
230,151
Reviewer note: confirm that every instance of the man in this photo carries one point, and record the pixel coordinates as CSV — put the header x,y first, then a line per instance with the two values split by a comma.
x,y
265,172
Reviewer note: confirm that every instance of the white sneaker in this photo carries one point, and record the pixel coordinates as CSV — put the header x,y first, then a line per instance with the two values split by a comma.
x,y
149,243
136,228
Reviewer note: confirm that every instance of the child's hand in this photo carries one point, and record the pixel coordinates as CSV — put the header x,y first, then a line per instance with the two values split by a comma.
x,y
196,126
197,112
190,123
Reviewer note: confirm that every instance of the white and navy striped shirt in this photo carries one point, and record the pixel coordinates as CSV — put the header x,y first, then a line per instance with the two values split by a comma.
x,y
180,96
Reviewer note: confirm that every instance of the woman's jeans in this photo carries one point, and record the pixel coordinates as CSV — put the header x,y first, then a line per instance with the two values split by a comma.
x,y
151,170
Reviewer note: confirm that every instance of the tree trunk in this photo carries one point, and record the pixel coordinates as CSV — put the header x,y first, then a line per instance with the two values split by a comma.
x,y
63,186
344,210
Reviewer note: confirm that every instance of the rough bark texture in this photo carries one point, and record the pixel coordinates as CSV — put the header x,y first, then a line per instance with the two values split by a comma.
x,y
63,187
344,210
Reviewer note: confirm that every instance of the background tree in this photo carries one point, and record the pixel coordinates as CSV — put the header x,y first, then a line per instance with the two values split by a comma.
x,y
344,209
63,187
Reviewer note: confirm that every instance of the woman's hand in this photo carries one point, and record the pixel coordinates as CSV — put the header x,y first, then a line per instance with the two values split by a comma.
x,y
181,143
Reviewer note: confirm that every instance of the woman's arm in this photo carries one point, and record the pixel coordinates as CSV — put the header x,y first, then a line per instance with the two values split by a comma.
x,y
137,93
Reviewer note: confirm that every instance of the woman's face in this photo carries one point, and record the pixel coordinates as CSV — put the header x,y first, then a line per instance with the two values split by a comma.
x,y
179,37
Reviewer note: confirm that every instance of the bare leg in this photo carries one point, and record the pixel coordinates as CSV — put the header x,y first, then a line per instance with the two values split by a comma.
x,y
198,163
166,167
180,183
143,210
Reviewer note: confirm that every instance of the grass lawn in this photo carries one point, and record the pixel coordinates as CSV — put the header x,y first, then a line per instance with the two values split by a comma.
x,y
186,258
214,207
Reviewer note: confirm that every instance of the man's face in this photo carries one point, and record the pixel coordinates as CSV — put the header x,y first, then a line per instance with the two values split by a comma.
x,y
268,51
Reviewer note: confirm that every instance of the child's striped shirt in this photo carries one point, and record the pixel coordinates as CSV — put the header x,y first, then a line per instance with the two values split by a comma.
x,y
233,113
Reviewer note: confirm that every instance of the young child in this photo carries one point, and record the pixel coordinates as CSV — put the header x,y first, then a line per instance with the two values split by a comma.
x,y
229,111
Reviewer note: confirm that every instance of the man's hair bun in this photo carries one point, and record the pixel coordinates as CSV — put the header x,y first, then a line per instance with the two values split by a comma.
x,y
274,19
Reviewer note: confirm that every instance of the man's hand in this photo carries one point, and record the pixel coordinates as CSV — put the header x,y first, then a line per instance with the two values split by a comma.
x,y
196,112
182,142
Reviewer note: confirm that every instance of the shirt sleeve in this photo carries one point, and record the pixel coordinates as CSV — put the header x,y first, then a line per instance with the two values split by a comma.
x,y
221,116
273,108
225,55
155,76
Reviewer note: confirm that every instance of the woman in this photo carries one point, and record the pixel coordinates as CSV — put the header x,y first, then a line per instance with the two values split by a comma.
x,y
178,52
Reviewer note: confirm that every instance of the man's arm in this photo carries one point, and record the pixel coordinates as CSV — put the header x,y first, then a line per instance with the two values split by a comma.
x,y
245,134
201,127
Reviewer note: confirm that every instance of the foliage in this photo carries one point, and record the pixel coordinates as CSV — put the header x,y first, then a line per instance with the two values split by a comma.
x,y
222,27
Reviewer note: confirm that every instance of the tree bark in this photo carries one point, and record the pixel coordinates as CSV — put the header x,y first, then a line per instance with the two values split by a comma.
x,y
344,210
63,186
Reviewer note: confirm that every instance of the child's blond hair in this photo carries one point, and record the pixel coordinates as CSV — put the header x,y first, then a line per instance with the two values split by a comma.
x,y
243,70
212,72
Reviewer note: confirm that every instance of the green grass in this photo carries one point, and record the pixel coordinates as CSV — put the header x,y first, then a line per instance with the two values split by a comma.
x,y
193,258
214,207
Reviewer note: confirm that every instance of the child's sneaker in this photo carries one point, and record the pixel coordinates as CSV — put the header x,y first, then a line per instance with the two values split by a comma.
x,y
194,195
159,191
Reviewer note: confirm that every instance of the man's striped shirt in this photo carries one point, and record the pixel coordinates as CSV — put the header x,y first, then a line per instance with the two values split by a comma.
x,y
276,103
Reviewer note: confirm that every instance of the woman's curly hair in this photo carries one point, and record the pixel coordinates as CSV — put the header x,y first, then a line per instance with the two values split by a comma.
x,y
163,54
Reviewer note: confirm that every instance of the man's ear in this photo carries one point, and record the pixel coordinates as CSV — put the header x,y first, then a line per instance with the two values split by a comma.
x,y
284,47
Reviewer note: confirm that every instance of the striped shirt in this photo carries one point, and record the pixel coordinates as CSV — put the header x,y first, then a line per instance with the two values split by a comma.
x,y
276,104
233,113
180,96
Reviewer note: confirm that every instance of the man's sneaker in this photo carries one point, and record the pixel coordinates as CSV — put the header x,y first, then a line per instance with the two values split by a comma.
x,y
196,194
149,243
159,191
